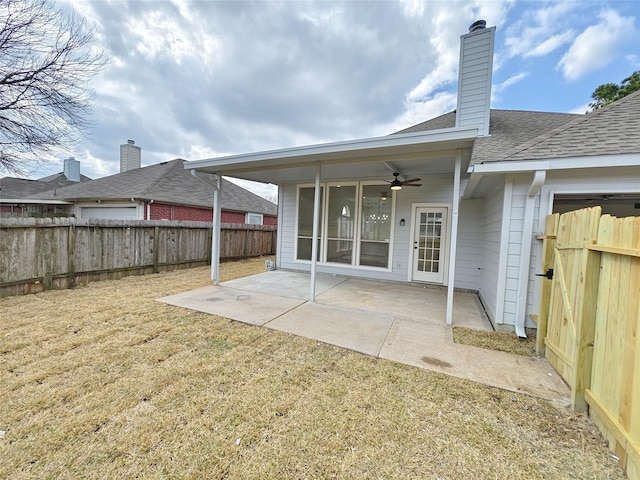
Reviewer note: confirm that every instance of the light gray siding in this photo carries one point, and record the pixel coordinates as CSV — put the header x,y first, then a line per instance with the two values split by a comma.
x,y
436,190
474,80
470,243
492,220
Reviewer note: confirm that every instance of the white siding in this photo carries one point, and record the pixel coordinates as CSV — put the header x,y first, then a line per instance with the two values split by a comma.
x,y
492,220
436,190
470,243
474,79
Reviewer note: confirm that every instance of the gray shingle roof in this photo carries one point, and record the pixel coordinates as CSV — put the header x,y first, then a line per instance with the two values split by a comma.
x,y
508,129
614,129
166,182
12,187
523,135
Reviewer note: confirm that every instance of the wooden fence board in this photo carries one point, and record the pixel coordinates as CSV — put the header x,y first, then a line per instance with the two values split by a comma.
x,y
37,254
602,292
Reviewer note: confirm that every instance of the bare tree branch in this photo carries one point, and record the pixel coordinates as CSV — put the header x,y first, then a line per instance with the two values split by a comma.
x,y
47,61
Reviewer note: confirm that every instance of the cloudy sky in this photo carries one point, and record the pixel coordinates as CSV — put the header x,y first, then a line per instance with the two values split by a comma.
x,y
202,79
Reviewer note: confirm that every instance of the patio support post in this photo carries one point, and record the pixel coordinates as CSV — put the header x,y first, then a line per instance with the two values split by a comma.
x,y
314,236
215,233
454,237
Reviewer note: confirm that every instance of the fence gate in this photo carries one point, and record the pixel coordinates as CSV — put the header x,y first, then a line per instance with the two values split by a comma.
x,y
570,296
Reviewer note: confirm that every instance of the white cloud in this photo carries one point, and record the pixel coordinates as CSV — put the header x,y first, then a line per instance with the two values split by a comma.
x,y
540,31
512,80
597,46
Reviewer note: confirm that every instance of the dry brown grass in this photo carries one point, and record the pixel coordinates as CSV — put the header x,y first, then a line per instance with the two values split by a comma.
x,y
502,341
105,382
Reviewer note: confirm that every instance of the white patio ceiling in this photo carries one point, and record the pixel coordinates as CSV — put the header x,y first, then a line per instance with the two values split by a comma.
x,y
422,153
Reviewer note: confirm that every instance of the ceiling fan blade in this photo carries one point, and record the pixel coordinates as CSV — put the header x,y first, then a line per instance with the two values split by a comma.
x,y
412,180
411,184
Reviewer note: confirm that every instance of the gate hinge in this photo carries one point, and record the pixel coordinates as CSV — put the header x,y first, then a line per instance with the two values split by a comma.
x,y
548,274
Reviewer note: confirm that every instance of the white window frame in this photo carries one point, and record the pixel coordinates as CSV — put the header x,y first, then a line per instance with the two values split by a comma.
x,y
357,227
248,216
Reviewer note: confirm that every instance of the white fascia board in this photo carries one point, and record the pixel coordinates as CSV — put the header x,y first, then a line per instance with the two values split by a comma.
x,y
620,160
332,151
478,171
27,201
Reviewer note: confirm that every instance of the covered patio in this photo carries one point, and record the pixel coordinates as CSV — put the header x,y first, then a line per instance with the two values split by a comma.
x,y
401,322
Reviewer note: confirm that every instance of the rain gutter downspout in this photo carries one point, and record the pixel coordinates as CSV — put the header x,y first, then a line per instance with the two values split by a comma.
x,y
314,236
525,252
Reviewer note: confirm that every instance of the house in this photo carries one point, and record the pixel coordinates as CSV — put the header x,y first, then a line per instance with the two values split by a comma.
x,y
15,192
163,191
455,202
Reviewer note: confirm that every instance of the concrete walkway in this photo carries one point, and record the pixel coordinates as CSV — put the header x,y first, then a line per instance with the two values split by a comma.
x,y
399,322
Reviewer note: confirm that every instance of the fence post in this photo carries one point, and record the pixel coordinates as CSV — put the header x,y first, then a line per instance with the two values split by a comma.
x,y
548,243
156,246
71,252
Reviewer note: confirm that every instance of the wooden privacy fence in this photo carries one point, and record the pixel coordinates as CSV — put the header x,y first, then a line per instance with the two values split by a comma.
x,y
54,253
589,321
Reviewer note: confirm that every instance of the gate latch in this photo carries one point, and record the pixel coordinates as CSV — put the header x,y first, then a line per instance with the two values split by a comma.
x,y
548,274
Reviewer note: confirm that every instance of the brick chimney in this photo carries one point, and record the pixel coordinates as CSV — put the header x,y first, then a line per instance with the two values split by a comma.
x,y
130,156
71,169
474,77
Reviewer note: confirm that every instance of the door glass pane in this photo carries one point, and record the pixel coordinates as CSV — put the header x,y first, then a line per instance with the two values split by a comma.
x,y
306,197
341,212
429,242
375,226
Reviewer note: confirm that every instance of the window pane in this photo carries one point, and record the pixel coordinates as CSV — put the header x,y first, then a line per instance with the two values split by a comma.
x,y
306,198
376,226
341,212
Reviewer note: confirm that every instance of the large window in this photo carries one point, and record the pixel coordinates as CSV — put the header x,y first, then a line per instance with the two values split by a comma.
x,y
341,212
356,224
306,196
375,234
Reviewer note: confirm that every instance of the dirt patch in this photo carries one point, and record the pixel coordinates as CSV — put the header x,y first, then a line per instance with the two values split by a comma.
x,y
106,382
501,341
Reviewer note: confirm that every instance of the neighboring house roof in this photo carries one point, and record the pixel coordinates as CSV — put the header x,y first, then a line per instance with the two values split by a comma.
x,y
15,188
508,130
166,182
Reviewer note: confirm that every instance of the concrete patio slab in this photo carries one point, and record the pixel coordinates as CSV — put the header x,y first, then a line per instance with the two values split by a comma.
x,y
413,342
413,301
285,284
402,323
241,305
363,332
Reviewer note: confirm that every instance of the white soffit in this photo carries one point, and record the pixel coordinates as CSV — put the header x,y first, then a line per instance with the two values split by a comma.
x,y
391,147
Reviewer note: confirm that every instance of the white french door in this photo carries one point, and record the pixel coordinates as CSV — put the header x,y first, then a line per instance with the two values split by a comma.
x,y
429,244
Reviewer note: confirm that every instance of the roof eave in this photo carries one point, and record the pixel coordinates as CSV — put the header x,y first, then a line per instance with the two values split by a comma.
x,y
352,150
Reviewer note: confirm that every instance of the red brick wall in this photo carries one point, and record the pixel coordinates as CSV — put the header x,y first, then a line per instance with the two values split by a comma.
x,y
269,220
232,217
163,211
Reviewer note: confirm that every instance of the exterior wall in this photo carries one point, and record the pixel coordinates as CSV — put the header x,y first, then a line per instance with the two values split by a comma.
x,y
601,180
490,253
163,211
610,180
436,190
470,243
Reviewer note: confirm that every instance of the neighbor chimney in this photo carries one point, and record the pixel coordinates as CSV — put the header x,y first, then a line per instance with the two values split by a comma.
x,y
129,156
72,169
474,77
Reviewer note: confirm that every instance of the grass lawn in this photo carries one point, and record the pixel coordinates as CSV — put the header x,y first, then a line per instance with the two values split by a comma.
x,y
105,382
